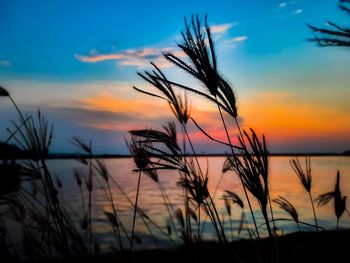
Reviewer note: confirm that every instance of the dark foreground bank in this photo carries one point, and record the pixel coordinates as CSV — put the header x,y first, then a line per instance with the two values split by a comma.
x,y
326,246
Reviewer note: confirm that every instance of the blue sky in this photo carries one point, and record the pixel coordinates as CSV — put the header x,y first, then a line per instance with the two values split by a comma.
x,y
77,61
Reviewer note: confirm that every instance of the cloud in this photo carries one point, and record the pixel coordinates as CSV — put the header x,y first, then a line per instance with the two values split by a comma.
x,y
298,11
132,57
100,119
98,58
222,28
236,39
93,115
283,4
141,57
106,111
5,63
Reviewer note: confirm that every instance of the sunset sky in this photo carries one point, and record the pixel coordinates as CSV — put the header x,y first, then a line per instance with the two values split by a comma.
x,y
78,60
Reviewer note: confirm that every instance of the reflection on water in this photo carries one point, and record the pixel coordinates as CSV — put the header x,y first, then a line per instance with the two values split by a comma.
x,y
283,182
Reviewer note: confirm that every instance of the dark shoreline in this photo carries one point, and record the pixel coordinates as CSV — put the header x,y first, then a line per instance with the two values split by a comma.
x,y
112,156
10,151
325,246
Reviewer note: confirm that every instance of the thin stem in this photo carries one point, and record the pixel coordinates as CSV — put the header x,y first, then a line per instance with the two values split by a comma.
x,y
347,211
115,215
214,195
187,214
199,222
290,220
19,112
313,210
271,211
240,177
231,227
212,217
337,223
266,218
135,208
169,207
209,196
56,205
213,139
90,202
17,129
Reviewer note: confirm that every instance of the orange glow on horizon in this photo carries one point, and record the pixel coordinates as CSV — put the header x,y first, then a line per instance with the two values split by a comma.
x,y
280,116
284,116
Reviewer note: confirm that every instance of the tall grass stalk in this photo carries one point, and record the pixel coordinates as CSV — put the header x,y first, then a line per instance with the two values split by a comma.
x,y
240,177
216,216
134,216
56,230
305,179
339,199
142,217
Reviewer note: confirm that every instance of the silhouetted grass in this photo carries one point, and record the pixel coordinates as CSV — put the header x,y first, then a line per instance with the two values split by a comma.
x,y
339,200
305,179
30,194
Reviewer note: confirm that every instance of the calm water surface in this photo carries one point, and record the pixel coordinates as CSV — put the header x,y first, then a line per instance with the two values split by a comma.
x,y
283,182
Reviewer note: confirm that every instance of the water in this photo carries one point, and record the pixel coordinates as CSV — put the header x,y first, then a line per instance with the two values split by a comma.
x,y
283,182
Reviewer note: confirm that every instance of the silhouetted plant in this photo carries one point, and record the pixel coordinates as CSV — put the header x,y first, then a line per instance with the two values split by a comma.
x,y
153,151
178,105
4,92
253,169
336,35
231,197
56,232
89,183
305,179
141,158
285,205
165,154
339,200
197,187
201,63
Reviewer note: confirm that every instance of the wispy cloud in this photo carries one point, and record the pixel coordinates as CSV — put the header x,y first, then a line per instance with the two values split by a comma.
x,y
290,6
93,115
236,39
109,112
222,28
141,57
132,57
283,4
298,11
5,63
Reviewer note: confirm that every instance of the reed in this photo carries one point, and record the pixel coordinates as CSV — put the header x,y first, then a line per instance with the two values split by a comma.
x,y
47,222
285,205
167,154
56,232
339,199
253,169
305,179
201,64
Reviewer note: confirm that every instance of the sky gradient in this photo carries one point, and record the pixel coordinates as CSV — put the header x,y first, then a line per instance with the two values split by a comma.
x,y
77,61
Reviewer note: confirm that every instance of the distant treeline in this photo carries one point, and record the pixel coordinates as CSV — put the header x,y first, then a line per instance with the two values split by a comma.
x,y
10,151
